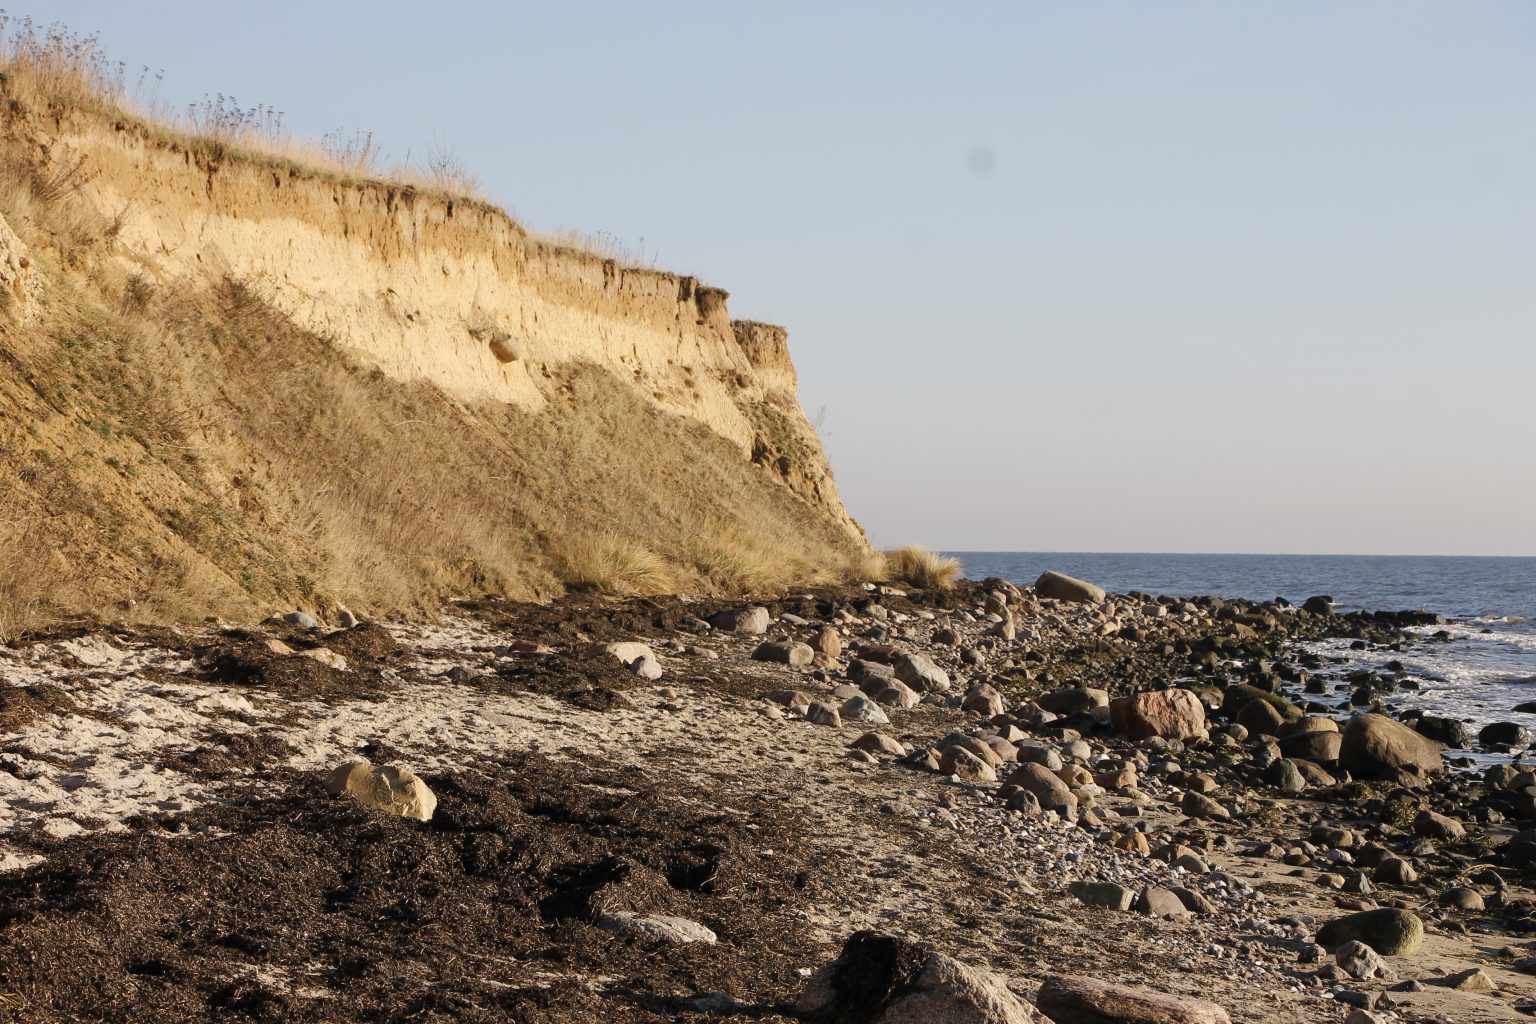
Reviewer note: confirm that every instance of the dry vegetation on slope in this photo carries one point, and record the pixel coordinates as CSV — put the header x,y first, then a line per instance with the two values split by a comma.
x,y
180,435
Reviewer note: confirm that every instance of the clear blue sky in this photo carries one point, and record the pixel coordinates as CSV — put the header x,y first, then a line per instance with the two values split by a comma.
x,y
1183,276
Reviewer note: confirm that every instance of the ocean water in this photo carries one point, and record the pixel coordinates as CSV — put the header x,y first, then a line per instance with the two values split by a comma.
x,y
1487,669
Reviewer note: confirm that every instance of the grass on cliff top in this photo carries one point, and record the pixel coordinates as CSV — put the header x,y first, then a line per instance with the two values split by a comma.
x,y
50,66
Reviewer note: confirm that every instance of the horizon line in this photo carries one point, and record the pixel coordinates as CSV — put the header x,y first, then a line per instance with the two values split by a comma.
x,y
1219,554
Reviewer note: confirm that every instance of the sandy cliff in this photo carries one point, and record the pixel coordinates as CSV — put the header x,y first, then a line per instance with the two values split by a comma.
x,y
186,326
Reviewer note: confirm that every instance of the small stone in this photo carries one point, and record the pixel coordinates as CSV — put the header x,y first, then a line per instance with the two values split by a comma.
x,y
303,620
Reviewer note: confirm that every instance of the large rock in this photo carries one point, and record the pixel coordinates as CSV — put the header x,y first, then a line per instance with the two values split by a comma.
x,y
742,620
1068,999
828,643
383,788
785,652
1053,794
882,979
1171,714
1067,588
1376,746
1389,931
1321,747
1073,699
919,672
627,652
1260,717
674,931
1109,895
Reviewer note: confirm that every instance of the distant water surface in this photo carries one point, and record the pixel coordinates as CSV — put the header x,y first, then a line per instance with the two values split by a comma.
x,y
1480,676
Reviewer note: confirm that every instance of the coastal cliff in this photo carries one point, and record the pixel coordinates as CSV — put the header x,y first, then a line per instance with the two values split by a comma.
x,y
231,381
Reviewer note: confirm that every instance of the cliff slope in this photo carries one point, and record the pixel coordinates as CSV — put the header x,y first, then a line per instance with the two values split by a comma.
x,y
229,383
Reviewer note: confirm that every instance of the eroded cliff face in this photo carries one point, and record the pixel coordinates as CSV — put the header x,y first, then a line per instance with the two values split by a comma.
x,y
116,220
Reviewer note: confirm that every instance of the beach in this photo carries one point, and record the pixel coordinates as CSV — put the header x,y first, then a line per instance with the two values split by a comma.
x,y
694,827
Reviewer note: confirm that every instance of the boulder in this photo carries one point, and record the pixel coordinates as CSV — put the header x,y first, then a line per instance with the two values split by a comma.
x,y
646,667
1321,604
1108,895
386,788
1321,747
1389,931
1053,794
1285,776
1260,717
1197,806
1172,714
1073,699
863,672
821,713
1375,746
1067,588
982,699
879,743
862,709
1069,999
752,620
785,652
919,672
882,979
1438,826
627,652
1155,901
673,931
1360,961
964,765
1308,723
896,694
828,643
1450,731
1504,734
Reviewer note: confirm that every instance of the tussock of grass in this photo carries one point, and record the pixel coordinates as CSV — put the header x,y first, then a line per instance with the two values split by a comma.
x,y
612,565
920,567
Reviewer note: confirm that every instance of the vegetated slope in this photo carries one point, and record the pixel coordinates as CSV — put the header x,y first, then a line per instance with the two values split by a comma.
x,y
229,384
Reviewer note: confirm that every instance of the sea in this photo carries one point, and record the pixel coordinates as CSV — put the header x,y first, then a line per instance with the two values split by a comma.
x,y
1480,676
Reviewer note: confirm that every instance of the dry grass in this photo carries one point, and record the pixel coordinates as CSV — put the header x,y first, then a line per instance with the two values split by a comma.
x,y
920,567
186,449
612,565
53,66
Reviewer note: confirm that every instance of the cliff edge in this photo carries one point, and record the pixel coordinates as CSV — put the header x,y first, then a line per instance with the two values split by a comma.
x,y
231,382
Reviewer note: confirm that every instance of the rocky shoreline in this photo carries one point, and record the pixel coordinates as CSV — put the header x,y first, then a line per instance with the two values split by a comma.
x,y
871,803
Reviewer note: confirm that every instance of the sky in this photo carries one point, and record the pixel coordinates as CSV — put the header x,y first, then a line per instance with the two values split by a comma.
x,y
1088,276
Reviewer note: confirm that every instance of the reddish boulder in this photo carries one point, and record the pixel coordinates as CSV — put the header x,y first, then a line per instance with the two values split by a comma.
x,y
1171,714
